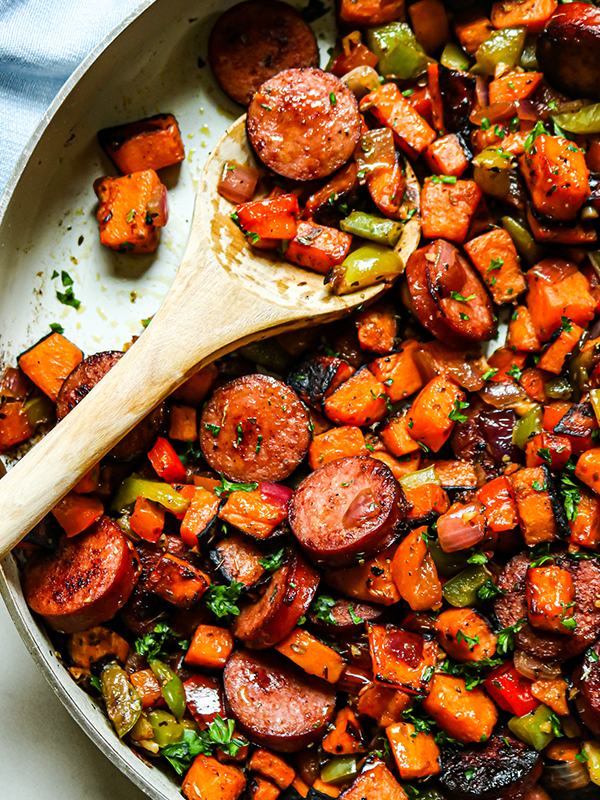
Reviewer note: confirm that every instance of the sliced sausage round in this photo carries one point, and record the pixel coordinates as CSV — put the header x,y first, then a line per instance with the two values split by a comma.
x,y
587,679
286,598
346,618
304,123
255,40
81,382
254,429
275,704
85,581
458,293
422,302
512,607
350,507
503,767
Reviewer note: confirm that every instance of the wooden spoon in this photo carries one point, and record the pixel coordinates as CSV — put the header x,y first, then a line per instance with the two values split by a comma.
x,y
224,295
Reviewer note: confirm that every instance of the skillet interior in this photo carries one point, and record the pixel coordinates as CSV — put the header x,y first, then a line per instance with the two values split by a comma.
x,y
149,64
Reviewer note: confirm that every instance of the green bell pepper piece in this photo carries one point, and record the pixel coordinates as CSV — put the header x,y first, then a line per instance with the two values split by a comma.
x,y
461,591
534,728
586,120
39,409
398,51
502,47
558,388
529,56
454,57
419,478
448,564
494,158
366,266
340,770
369,226
123,703
269,354
167,730
528,426
527,247
134,487
171,687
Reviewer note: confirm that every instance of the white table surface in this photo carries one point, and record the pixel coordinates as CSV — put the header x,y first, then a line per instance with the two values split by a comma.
x,y
44,754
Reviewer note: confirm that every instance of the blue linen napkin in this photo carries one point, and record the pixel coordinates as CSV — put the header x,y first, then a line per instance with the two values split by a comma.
x,y
41,43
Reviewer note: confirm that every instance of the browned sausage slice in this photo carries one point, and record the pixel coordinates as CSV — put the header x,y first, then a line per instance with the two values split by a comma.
x,y
304,123
254,429
81,382
255,40
275,704
85,581
348,508
587,680
346,618
512,607
286,598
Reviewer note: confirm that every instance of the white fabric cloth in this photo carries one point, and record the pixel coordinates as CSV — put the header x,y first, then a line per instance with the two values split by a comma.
x,y
41,43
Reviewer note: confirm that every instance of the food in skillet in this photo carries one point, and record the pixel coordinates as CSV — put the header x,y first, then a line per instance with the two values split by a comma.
x,y
362,559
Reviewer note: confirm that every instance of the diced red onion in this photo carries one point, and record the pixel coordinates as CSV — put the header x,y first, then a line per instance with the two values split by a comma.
x,y
527,111
237,183
534,668
353,679
275,493
565,776
462,527
495,112
361,81
364,506
15,384
482,92
158,206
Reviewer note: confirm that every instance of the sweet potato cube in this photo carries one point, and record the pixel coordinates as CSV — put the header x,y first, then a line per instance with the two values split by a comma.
x,y
312,656
361,400
557,177
431,416
347,440
394,111
150,143
534,505
445,156
415,752
253,514
495,258
272,767
177,581
558,289
398,371
131,209
210,647
375,782
447,208
208,779
49,362
401,660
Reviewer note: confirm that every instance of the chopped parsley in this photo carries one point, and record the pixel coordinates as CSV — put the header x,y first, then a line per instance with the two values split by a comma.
x,y
571,496
451,179
495,263
321,607
56,327
489,373
332,98
544,454
456,414
506,637
515,372
218,736
152,645
227,487
222,600
458,296
273,562
214,429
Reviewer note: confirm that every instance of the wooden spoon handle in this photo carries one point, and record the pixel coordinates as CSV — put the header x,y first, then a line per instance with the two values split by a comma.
x,y
194,326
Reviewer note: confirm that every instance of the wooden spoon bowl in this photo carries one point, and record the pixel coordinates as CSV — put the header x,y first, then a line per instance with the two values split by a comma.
x,y
225,294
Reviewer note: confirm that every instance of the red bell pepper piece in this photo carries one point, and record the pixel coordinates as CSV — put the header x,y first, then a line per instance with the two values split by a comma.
x,y
511,690
166,462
